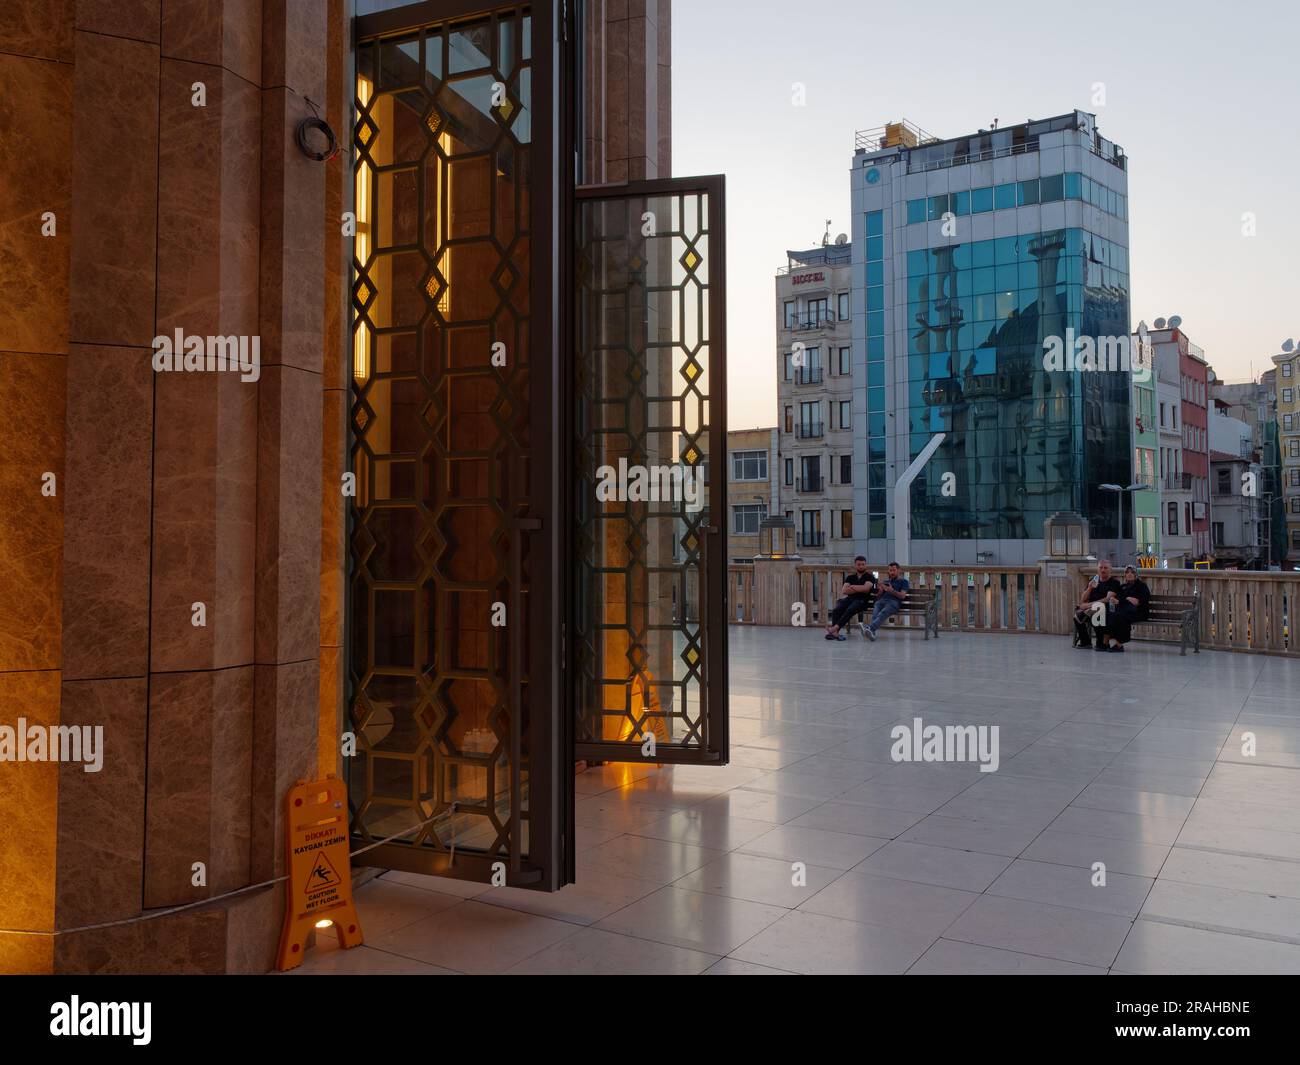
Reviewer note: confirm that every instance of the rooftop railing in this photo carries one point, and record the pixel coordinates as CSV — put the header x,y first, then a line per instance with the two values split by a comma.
x,y
1250,612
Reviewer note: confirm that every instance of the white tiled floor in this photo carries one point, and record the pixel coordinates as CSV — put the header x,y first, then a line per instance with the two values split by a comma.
x,y
814,853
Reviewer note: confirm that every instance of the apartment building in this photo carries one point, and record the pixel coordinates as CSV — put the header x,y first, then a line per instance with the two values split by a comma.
x,y
1146,446
815,400
1286,388
1237,525
1176,542
1180,362
753,488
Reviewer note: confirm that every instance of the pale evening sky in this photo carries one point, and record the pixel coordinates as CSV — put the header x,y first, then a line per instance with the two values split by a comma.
x,y
1203,97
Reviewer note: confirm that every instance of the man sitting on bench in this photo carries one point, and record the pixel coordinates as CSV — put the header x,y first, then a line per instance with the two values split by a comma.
x,y
1102,587
1134,599
856,591
893,593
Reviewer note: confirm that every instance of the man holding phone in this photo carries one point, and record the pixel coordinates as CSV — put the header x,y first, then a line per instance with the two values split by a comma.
x,y
893,591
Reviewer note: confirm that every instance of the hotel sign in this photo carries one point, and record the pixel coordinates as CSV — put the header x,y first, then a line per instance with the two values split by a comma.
x,y
803,279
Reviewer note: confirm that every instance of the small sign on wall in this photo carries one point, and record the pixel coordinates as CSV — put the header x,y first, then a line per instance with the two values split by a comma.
x,y
1057,569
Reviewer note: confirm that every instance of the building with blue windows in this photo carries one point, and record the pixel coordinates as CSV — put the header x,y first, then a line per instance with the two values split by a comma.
x,y
969,256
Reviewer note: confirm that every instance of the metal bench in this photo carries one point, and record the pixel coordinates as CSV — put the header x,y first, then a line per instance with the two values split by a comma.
x,y
1182,611
920,601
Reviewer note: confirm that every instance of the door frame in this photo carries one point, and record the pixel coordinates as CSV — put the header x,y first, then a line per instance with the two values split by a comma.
x,y
713,579
551,861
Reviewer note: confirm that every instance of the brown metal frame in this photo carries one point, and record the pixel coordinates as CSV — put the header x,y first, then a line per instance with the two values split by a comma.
x,y
713,581
550,863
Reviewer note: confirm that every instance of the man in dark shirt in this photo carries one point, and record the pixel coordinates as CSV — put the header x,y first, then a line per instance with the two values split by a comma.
x,y
893,591
1134,600
856,592
1102,588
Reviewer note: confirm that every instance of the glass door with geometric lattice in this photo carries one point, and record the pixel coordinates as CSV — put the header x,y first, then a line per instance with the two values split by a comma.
x,y
649,666
453,645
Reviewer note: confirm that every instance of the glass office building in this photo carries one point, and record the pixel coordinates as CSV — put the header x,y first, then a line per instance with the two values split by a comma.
x,y
970,256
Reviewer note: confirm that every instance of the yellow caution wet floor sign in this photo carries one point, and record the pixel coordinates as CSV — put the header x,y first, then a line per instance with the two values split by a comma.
x,y
320,879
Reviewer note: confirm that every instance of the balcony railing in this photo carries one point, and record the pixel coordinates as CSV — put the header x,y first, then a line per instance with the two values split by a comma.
x,y
808,375
1177,482
801,322
809,430
809,484
812,539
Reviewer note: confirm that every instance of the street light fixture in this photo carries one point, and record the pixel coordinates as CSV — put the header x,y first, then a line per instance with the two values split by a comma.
x,y
1137,487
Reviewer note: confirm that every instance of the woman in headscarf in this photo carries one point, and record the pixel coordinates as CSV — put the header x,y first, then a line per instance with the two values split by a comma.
x,y
1133,602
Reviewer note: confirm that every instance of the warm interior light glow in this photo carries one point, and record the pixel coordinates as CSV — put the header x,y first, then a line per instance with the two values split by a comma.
x,y
444,301
361,337
327,923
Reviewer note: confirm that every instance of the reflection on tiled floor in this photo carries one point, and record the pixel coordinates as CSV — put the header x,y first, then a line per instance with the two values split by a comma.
x,y
1134,761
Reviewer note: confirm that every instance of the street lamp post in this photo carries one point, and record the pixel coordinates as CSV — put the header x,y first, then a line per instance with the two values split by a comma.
x,y
1267,499
1121,490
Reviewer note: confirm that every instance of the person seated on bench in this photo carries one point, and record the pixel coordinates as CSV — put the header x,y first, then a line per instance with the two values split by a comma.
x,y
1102,586
856,592
1134,600
892,594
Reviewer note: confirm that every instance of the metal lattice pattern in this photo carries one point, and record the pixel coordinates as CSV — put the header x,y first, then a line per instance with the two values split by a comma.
x,y
440,433
642,377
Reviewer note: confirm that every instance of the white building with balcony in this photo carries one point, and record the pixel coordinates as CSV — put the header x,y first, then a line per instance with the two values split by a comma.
x,y
1237,525
1176,540
815,400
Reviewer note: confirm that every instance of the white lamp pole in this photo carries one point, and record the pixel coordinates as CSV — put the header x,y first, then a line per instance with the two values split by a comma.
x,y
903,501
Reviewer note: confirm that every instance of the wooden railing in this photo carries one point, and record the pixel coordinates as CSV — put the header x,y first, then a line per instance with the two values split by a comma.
x,y
1240,611
998,599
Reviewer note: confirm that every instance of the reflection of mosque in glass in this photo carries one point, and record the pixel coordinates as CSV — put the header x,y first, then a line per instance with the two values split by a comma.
x,y
1023,441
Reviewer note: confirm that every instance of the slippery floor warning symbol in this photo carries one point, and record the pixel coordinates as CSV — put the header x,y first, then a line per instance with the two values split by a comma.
x,y
319,892
322,875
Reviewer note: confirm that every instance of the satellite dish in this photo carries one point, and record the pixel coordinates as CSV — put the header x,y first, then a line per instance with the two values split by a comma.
x,y
1288,344
1160,323
1175,322
843,238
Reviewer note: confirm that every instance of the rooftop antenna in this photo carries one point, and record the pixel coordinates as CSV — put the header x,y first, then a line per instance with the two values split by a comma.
x,y
826,237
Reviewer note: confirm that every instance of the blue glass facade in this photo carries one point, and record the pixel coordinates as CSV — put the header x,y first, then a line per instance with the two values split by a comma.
x,y
1052,189
876,444
1022,441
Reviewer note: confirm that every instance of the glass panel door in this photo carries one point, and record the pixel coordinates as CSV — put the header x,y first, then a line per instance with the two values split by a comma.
x,y
649,612
450,656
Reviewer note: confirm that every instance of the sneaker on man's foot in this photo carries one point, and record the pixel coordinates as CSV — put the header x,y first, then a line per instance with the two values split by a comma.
x,y
841,637
871,633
